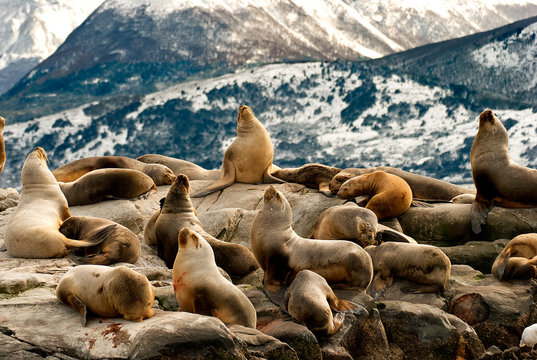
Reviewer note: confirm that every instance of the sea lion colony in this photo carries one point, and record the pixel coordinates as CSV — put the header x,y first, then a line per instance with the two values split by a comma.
x,y
42,227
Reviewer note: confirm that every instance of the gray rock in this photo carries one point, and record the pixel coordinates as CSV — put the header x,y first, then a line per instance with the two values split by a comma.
x,y
478,254
262,345
297,336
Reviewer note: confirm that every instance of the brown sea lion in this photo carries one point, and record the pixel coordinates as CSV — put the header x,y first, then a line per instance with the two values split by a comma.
x,y
357,224
426,265
315,176
178,166
200,288
249,157
72,171
281,253
107,292
310,300
498,180
518,260
423,187
106,184
389,195
32,230
121,245
177,212
2,145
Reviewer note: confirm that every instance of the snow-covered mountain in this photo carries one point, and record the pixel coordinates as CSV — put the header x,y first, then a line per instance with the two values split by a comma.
x,y
31,30
346,114
140,46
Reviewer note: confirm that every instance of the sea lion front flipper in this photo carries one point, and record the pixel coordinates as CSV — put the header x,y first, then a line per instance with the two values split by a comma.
x,y
420,203
502,263
227,179
201,305
386,234
95,239
478,213
77,304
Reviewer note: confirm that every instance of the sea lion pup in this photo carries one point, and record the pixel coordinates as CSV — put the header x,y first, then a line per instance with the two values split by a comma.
x,y
518,259
107,292
310,300
72,171
32,230
423,187
106,184
176,212
426,265
357,224
315,176
498,180
389,195
281,253
200,288
178,166
121,245
2,145
249,157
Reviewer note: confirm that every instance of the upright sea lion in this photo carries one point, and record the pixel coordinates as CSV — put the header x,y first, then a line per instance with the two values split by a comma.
x,y
498,180
357,224
178,166
281,253
121,245
249,157
426,265
107,292
32,230
105,184
310,300
518,260
72,171
200,288
315,176
389,195
2,145
423,187
177,212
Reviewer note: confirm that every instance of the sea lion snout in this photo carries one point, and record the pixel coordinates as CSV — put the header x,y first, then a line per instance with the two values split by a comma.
x,y
187,235
40,152
486,115
270,193
182,181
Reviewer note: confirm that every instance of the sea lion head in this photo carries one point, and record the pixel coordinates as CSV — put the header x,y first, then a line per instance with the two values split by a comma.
x,y
273,199
367,233
338,180
245,113
489,122
181,185
35,169
161,173
189,239
346,189
133,294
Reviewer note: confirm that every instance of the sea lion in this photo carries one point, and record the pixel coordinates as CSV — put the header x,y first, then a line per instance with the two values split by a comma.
x,y
2,145
249,157
200,288
72,171
105,184
389,195
32,230
310,300
498,180
121,245
423,187
426,265
178,166
176,212
518,260
463,199
315,176
354,223
281,253
107,292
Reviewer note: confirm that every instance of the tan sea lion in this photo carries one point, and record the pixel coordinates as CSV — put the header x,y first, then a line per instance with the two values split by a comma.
x,y
423,187
389,195
200,288
249,157
310,300
518,260
121,245
315,176
498,180
32,230
72,171
426,265
2,145
177,212
105,184
281,253
354,223
178,166
107,292
463,199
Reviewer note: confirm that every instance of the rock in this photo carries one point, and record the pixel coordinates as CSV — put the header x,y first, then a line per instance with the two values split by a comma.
x,y
478,254
265,309
262,345
297,336
9,198
471,308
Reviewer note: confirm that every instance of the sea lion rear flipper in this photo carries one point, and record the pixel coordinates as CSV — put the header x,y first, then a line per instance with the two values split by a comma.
x,y
95,239
341,305
77,304
420,203
227,179
386,234
502,263
269,179
478,214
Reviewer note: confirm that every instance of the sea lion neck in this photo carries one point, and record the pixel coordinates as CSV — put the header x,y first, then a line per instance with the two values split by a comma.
x,y
177,203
